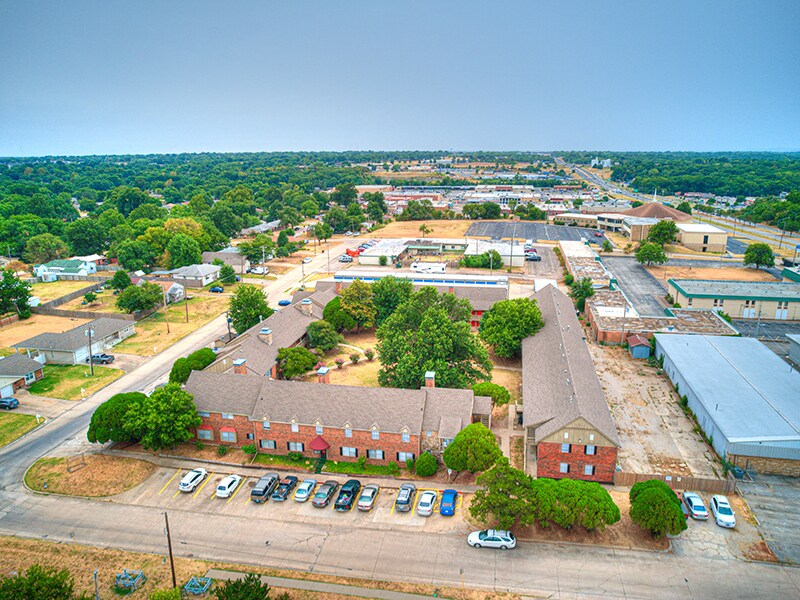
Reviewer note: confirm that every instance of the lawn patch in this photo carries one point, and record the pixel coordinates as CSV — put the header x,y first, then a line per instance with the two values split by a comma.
x,y
100,476
353,468
14,425
304,464
66,381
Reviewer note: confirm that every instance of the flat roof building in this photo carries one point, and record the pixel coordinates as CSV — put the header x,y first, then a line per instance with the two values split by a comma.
x,y
702,237
741,299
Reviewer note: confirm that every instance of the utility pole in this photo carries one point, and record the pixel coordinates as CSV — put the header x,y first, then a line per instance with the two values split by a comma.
x,y
228,321
186,305
166,316
89,332
96,589
263,262
169,547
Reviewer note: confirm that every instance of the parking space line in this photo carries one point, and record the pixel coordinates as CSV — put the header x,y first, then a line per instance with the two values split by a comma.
x,y
205,483
459,501
170,481
236,491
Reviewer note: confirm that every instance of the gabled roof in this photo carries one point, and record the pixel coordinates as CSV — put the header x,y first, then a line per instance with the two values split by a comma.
x,y
64,263
195,271
637,340
75,338
18,365
559,382
656,210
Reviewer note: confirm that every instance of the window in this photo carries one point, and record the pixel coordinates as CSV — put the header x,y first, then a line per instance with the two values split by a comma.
x,y
205,434
404,456
376,454
588,470
348,451
428,433
406,438
251,436
566,435
591,437
719,302
564,468
268,444
227,416
689,302
295,446
203,413
566,448
376,435
591,449
32,376
319,429
266,425
295,428
227,436
348,433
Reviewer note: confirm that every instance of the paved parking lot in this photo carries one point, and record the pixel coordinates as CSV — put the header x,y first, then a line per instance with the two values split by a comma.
x,y
548,267
641,288
531,231
772,330
774,501
161,490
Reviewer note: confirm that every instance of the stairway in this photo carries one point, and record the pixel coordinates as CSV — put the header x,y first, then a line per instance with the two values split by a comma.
x,y
320,463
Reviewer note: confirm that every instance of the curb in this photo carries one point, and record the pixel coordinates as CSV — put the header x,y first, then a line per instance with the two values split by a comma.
x,y
27,433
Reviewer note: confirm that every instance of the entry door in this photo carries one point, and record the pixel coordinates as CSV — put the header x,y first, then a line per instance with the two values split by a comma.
x,y
749,313
782,314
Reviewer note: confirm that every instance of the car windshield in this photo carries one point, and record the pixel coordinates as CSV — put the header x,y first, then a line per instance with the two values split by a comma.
x,y
724,510
322,493
483,535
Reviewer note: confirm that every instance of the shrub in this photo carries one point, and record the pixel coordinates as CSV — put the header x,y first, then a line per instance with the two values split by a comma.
x,y
173,594
355,357
90,297
249,449
295,456
180,372
200,359
369,353
383,260
656,509
409,464
222,450
497,393
339,363
362,461
199,445
393,468
569,279
426,465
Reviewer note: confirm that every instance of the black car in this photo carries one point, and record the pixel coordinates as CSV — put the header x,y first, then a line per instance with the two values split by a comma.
x,y
347,495
324,494
264,487
101,359
284,488
9,403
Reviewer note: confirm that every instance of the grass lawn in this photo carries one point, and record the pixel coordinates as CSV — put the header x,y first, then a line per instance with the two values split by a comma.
x,y
511,380
305,464
56,289
353,468
364,374
14,425
106,302
151,333
66,381
100,476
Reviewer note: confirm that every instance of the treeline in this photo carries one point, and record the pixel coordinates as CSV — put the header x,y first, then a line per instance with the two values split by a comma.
x,y
784,214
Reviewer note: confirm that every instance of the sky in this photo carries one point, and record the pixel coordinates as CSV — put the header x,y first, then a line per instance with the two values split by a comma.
x,y
113,77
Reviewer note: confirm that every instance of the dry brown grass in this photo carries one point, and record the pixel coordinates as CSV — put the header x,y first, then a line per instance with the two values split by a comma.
x,y
106,301
410,229
101,476
56,289
364,374
713,273
22,330
511,380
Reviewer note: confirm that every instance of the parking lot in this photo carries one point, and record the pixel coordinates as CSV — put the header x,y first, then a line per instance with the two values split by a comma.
x,y
774,501
548,267
770,330
641,288
531,231
161,490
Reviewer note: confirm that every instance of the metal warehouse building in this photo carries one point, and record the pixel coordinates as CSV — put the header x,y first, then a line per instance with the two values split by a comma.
x,y
745,398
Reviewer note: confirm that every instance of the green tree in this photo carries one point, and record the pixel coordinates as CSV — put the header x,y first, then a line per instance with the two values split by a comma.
x,y
426,465
491,210
508,322
663,232
164,419
108,422
580,291
641,486
424,230
89,297
39,583
183,251
473,449
655,510
121,280
387,294
14,295
356,301
247,588
323,336
227,275
283,238
497,393
180,371
333,314
200,359
344,194
760,255
140,297
584,503
258,249
43,248
651,253
685,207
322,231
248,307
607,247
126,199
505,496
134,255
309,208
86,236
295,361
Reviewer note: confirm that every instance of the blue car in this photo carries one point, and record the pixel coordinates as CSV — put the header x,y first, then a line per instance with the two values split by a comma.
x,y
9,403
284,302
448,505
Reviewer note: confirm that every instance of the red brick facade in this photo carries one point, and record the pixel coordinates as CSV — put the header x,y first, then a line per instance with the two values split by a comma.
x,y
20,383
549,458
282,434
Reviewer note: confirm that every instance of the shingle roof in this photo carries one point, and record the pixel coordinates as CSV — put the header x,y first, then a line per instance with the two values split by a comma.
x,y
656,210
195,271
559,382
447,410
18,364
75,338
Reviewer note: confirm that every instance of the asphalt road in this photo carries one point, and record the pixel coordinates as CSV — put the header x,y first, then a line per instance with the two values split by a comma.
x,y
641,288
531,231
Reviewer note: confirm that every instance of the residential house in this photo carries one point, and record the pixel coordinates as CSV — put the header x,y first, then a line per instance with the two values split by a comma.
x,y
262,227
52,270
195,276
229,256
18,371
72,347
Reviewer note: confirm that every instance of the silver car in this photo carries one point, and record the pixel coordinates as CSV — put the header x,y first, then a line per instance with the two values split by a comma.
x,y
492,538
304,490
693,502
192,479
366,501
427,500
228,485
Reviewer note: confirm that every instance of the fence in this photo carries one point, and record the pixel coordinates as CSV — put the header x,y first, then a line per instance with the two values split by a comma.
x,y
88,314
8,319
699,484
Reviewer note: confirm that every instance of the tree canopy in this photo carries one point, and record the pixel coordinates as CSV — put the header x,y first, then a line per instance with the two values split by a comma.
x,y
662,232
322,335
140,297
14,295
760,255
508,322
164,419
651,253
108,422
295,361
39,583
356,302
580,291
248,306
473,449
387,294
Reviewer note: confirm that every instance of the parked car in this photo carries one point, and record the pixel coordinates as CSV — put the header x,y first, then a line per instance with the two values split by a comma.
x,y
217,289
228,485
264,487
427,500
598,234
347,495
348,233
284,488
405,497
307,260
304,490
324,494
192,479
9,403
284,302
345,259
101,359
684,510
533,257
448,505
722,511
368,497
492,538
693,502
259,271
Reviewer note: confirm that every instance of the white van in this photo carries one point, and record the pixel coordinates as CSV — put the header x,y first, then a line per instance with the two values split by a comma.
x,y
423,267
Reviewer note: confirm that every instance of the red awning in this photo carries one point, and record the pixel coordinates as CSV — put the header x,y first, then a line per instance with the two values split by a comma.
x,y
228,429
319,444
205,427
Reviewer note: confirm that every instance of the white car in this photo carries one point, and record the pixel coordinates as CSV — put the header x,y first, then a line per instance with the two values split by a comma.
x,y
228,485
427,500
307,260
492,538
304,490
722,511
192,479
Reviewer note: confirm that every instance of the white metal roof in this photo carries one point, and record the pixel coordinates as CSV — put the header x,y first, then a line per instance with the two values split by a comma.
x,y
699,228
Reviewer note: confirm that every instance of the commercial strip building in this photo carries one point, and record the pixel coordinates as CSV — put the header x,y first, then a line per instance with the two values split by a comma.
x,y
745,398
702,237
740,299
581,261
569,430
404,249
72,347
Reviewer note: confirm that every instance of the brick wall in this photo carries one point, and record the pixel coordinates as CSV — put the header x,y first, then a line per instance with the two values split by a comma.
x,y
771,466
549,458
281,433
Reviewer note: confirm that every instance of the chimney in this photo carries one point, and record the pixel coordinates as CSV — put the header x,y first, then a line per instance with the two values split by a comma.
x,y
265,335
305,306
324,375
239,366
430,379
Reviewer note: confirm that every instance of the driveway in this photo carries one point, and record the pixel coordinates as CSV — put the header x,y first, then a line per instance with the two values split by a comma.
x,y
531,231
774,501
547,268
641,288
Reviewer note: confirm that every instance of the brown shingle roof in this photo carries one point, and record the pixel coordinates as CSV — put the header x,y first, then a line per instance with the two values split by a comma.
x,y
656,210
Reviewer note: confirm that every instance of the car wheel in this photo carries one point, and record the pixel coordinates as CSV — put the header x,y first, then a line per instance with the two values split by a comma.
x,y
477,545
503,547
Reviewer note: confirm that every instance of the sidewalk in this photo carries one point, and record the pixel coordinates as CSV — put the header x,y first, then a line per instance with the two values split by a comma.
x,y
319,586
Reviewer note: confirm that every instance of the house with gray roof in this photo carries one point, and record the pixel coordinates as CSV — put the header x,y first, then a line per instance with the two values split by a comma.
x,y
230,256
195,276
71,347
18,371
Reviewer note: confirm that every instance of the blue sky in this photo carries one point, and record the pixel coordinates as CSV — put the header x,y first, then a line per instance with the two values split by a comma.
x,y
134,77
